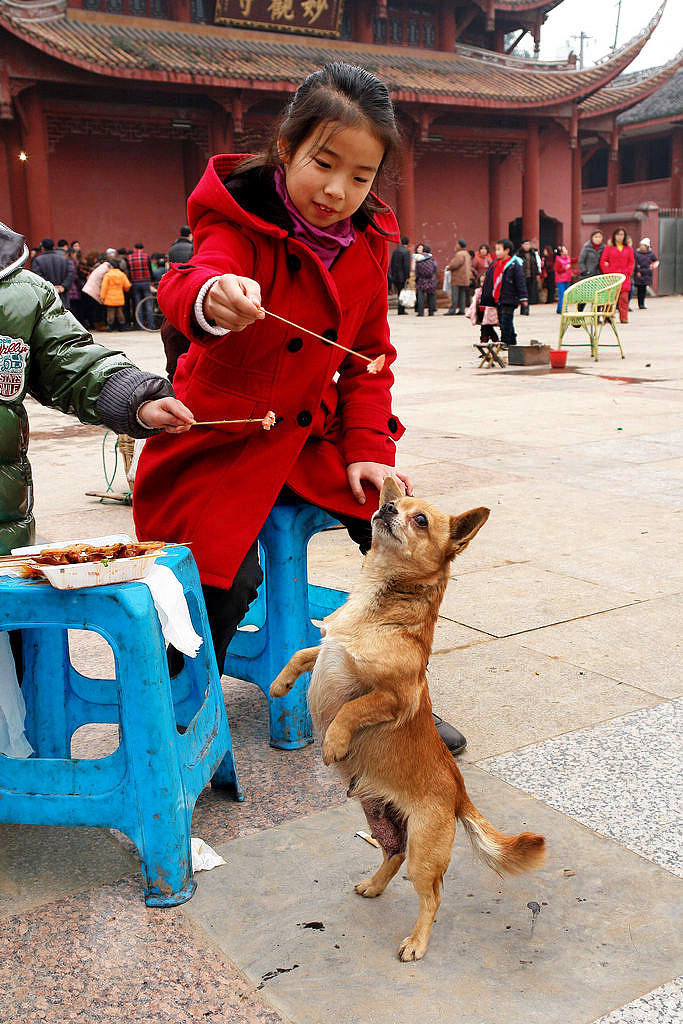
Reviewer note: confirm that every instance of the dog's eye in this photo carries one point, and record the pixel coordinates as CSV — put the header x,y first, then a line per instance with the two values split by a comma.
x,y
421,521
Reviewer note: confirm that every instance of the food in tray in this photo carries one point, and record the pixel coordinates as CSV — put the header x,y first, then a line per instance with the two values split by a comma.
x,y
73,554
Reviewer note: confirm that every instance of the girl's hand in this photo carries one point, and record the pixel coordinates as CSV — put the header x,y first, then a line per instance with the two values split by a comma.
x,y
166,414
233,302
375,473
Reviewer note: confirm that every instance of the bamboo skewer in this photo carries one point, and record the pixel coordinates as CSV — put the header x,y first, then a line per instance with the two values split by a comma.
x,y
374,365
267,421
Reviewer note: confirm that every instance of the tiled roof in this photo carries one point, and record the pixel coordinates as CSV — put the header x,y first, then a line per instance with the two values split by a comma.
x,y
667,101
145,49
525,5
628,90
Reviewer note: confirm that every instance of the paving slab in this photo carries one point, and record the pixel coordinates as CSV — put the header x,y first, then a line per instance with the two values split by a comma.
x,y
621,778
639,644
510,599
503,696
285,913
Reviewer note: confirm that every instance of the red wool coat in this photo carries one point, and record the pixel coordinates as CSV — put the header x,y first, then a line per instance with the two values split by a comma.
x,y
215,486
615,261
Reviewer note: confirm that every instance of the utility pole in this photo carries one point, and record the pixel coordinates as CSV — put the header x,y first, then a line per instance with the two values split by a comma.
x,y
616,30
583,38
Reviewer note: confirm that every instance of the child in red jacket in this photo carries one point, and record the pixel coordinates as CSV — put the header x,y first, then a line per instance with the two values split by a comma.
x,y
619,258
297,232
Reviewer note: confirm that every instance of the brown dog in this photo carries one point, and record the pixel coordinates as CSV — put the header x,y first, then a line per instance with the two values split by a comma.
x,y
370,704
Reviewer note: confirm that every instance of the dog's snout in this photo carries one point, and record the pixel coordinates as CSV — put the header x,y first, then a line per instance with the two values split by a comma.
x,y
388,509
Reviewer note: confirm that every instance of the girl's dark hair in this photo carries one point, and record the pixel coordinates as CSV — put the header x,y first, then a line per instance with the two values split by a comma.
x,y
485,246
342,94
616,232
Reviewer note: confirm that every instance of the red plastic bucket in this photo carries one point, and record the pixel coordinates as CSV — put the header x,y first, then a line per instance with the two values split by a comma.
x,y
558,358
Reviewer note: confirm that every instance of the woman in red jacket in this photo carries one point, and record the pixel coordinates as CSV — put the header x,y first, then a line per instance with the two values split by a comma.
x,y
619,258
297,232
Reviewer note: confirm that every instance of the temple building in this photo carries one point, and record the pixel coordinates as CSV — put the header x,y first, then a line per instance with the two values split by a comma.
x,y
109,110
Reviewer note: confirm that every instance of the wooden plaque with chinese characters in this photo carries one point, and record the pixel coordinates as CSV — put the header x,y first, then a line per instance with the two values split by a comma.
x,y
309,17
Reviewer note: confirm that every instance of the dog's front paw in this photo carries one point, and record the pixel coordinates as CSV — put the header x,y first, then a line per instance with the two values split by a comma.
x,y
336,744
282,684
411,949
368,888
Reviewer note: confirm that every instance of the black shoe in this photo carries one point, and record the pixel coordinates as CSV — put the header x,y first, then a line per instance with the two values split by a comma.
x,y
454,740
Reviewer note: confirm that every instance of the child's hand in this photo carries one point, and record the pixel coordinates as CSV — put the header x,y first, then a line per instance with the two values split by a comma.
x,y
375,473
166,414
233,302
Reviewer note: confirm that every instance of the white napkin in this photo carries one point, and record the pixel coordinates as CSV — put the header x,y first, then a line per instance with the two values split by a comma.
x,y
13,742
203,857
174,615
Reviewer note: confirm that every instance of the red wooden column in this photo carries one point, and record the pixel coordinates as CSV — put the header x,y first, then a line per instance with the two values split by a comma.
x,y
6,213
406,188
446,26
576,232
362,22
34,143
613,171
496,230
676,166
531,201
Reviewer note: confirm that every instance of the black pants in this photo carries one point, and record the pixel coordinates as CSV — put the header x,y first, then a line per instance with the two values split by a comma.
x,y
641,289
399,286
227,608
429,298
488,333
507,326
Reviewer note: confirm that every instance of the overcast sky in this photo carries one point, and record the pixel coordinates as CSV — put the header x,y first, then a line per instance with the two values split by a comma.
x,y
598,19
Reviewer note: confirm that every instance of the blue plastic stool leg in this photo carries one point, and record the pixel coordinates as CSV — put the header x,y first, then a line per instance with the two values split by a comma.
x,y
164,811
46,656
289,606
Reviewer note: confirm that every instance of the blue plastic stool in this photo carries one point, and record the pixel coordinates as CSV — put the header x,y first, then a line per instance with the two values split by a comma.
x,y
148,787
282,612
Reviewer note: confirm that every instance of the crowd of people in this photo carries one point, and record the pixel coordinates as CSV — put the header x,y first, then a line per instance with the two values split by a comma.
x,y
476,280
103,288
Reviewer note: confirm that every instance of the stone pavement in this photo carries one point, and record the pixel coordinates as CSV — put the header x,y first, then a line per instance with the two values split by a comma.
x,y
557,653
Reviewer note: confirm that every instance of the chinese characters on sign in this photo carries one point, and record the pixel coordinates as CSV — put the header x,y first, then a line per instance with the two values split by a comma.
x,y
315,17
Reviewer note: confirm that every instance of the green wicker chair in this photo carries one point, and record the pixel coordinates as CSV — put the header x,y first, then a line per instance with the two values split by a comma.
x,y
600,295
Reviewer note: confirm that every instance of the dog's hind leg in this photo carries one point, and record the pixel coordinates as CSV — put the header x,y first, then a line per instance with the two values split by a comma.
x,y
430,844
302,661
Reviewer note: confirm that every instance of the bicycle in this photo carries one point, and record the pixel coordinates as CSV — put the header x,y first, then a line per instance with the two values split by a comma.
x,y
147,312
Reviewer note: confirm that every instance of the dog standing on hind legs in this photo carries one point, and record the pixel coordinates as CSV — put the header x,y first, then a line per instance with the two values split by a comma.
x,y
370,704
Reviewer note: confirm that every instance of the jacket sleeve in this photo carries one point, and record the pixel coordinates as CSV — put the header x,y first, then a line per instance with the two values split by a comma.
x,y
582,264
370,429
630,261
521,283
68,371
219,249
604,260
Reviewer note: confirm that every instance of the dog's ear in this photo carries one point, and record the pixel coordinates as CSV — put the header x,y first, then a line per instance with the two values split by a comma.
x,y
465,527
390,491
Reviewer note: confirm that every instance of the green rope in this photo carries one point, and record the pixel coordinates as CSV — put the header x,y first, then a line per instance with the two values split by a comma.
x,y
127,499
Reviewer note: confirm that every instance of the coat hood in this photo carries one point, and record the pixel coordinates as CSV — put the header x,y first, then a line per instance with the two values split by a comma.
x,y
13,251
212,194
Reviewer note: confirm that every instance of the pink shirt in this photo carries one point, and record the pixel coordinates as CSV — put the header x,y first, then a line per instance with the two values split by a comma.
x,y
563,269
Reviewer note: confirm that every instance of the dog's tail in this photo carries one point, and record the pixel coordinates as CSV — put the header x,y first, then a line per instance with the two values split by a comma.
x,y
505,854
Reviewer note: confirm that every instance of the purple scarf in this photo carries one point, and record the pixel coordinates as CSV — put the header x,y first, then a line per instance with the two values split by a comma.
x,y
326,243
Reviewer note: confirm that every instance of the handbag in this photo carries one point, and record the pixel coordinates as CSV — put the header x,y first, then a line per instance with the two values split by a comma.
x,y
407,297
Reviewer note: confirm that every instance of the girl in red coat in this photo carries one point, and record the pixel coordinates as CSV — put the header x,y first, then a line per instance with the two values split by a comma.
x,y
619,258
297,232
